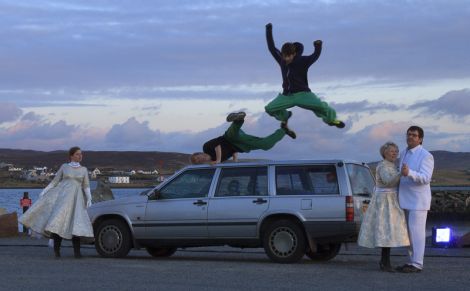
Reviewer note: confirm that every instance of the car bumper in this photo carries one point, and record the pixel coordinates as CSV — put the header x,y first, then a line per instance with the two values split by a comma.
x,y
332,231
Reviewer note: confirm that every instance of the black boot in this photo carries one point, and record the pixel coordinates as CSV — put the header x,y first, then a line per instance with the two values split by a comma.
x,y
385,264
76,247
57,242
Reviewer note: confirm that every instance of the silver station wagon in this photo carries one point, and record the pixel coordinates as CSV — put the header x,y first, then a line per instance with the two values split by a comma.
x,y
290,208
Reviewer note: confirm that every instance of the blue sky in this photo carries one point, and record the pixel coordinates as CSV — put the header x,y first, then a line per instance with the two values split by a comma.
x,y
162,75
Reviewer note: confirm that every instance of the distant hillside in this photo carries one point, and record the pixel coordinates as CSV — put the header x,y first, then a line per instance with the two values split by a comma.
x,y
169,162
449,160
164,162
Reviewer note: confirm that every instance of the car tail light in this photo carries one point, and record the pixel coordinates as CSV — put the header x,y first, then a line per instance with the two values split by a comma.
x,y
349,208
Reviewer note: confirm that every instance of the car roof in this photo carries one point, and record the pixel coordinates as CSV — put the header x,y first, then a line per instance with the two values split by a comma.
x,y
273,162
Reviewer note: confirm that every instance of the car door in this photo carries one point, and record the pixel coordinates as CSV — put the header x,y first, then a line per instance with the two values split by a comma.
x,y
179,209
240,199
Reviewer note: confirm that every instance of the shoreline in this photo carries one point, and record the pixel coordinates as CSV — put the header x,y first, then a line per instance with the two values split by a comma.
x,y
133,186
142,185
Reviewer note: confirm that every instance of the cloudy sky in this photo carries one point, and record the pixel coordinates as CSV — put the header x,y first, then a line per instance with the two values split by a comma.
x,y
156,75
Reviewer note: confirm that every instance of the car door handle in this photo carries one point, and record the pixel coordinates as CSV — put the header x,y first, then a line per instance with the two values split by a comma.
x,y
260,201
200,202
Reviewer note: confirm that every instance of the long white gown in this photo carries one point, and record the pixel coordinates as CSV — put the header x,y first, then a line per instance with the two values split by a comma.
x,y
62,208
384,222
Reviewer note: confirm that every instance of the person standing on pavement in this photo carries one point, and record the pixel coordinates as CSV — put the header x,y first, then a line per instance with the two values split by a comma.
x,y
414,194
60,212
384,222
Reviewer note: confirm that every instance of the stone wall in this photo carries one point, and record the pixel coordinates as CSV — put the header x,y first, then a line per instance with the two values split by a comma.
x,y
450,205
8,225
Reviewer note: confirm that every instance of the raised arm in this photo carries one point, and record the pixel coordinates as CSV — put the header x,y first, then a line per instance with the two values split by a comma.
x,y
270,40
316,53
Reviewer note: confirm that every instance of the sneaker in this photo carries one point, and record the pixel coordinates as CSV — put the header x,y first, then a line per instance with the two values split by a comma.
x,y
337,123
288,131
236,116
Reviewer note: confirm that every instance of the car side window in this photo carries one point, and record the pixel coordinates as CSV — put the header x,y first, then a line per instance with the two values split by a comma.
x,y
306,180
190,184
250,181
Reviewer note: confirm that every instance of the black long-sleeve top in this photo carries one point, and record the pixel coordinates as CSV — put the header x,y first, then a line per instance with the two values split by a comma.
x,y
294,75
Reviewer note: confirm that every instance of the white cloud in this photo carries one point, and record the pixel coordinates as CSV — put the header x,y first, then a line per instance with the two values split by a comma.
x,y
9,112
455,103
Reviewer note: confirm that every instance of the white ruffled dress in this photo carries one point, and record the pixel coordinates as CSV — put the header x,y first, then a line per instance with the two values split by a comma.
x,y
62,208
384,223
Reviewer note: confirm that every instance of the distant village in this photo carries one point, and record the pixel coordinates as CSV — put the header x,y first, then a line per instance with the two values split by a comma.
x,y
110,175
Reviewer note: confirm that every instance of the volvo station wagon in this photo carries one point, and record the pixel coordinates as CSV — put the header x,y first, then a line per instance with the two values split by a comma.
x,y
289,208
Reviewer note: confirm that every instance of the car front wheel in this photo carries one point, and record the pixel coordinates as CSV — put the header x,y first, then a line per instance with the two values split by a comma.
x,y
284,241
113,239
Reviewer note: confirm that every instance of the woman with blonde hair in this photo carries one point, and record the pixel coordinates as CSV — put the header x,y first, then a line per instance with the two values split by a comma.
x,y
384,222
60,212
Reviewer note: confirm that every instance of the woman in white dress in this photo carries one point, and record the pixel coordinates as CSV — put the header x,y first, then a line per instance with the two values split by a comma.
x,y
60,212
384,222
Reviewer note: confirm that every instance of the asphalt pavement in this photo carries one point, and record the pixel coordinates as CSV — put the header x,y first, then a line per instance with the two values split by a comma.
x,y
28,264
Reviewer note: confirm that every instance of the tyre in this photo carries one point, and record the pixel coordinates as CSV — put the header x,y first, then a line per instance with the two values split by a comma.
x,y
284,241
161,252
113,239
325,252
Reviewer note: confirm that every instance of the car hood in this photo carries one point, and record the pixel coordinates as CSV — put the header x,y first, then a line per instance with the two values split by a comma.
x,y
125,200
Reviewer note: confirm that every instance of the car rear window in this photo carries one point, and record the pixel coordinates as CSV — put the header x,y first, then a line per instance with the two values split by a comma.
x,y
361,180
306,180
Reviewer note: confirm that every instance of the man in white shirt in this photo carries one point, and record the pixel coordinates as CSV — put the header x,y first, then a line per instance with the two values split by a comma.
x,y
414,194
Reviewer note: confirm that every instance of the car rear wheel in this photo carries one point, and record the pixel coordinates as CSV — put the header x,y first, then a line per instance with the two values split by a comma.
x,y
284,241
113,239
325,252
161,252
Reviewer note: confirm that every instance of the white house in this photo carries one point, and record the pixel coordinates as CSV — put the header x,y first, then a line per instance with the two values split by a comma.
x,y
95,173
119,180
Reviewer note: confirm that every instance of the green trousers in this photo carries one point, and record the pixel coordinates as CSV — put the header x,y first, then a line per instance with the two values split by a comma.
x,y
247,143
307,100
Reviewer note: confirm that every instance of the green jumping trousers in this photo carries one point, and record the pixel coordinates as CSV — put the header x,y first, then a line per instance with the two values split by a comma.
x,y
307,100
247,143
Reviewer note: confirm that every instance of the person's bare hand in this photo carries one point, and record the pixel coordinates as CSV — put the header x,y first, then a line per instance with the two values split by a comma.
x,y
405,170
317,42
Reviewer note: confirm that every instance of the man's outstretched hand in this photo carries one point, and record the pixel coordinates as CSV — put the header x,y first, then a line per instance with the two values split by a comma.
x,y
269,26
317,42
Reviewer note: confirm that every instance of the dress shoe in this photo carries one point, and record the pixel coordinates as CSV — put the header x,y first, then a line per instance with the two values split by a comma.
x,y
410,269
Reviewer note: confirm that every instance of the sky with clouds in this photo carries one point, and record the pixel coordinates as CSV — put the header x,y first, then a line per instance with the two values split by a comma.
x,y
155,75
